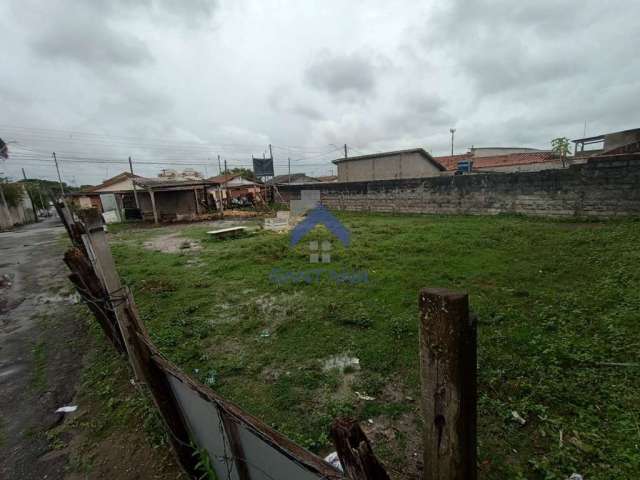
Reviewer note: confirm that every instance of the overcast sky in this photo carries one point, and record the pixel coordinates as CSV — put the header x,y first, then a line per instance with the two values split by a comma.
x,y
183,81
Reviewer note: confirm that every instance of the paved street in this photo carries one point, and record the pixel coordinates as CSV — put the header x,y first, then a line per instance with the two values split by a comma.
x,y
41,347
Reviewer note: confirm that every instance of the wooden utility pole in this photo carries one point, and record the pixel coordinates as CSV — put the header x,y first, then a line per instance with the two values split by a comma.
x,y
135,191
345,151
55,159
44,205
225,167
220,206
448,351
153,206
33,205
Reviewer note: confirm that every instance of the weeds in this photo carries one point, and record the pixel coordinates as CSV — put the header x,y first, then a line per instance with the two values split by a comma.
x,y
39,355
553,298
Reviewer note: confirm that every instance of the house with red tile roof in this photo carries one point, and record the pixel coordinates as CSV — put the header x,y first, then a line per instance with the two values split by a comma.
x,y
529,160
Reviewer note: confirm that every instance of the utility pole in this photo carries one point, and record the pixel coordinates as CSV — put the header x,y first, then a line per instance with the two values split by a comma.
x,y
345,151
44,205
270,152
453,131
219,166
225,167
33,205
289,165
135,190
55,159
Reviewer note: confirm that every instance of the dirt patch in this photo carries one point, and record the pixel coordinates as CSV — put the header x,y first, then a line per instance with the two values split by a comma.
x,y
173,243
398,434
402,439
122,456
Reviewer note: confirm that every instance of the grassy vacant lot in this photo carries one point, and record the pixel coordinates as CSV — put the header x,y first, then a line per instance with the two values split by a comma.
x,y
558,304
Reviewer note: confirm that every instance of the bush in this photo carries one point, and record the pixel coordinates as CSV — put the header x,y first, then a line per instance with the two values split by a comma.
x,y
13,192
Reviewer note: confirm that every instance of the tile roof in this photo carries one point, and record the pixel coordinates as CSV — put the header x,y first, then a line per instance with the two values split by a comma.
x,y
222,178
111,181
450,162
293,178
164,183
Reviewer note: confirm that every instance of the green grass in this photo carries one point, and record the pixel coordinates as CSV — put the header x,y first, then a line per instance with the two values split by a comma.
x,y
39,356
555,299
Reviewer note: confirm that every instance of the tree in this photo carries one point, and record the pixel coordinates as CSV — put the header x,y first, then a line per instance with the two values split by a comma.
x,y
13,192
561,147
243,172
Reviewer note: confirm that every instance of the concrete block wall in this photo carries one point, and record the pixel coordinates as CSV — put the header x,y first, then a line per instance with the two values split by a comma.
x,y
604,187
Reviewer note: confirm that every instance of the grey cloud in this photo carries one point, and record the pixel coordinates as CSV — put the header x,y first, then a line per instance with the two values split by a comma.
x,y
338,75
92,45
135,102
503,45
193,13
95,34
418,113
306,111
84,33
282,100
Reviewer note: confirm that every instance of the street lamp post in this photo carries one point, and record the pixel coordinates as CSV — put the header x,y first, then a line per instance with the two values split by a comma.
x,y
453,131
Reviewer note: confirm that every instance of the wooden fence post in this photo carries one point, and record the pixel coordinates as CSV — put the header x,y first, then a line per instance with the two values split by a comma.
x,y
448,350
354,451
91,289
105,268
162,394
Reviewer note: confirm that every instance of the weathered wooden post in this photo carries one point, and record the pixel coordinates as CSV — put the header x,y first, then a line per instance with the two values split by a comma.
x,y
354,451
105,268
448,350
163,398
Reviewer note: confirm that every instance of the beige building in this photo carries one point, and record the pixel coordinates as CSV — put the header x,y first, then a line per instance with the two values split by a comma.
x,y
413,163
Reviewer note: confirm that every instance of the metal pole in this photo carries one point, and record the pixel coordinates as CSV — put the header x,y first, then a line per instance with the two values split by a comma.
x,y
345,151
453,131
135,191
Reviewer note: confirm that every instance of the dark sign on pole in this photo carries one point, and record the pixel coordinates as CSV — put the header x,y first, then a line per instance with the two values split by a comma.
x,y
263,167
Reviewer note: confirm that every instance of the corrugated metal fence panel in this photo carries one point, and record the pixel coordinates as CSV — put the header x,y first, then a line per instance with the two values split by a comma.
x,y
206,426
263,460
267,463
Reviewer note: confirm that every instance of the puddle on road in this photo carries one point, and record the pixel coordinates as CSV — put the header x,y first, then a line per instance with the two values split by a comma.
x,y
10,371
